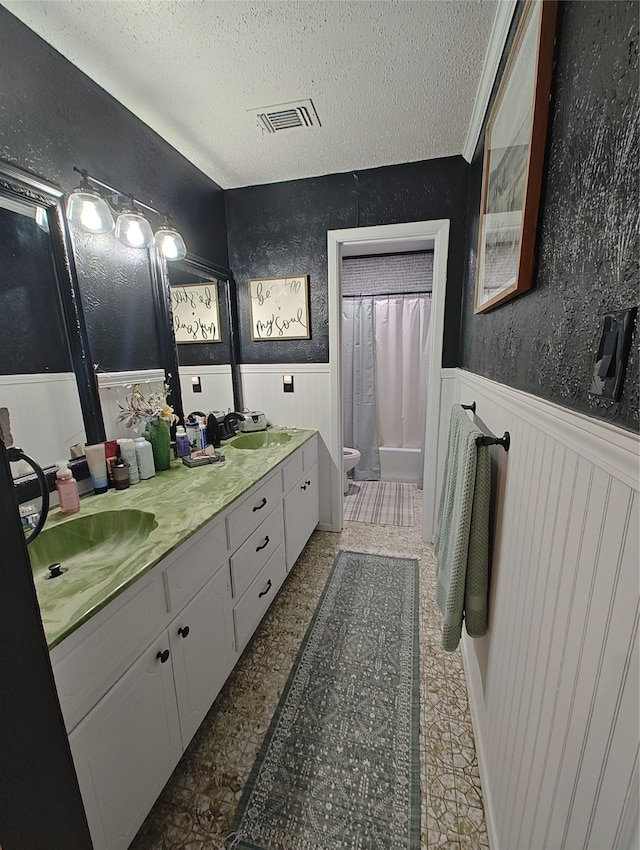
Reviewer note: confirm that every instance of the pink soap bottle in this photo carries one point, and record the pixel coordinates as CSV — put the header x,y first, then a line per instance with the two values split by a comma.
x,y
67,488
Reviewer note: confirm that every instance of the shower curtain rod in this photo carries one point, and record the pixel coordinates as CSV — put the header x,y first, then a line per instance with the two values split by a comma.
x,y
383,294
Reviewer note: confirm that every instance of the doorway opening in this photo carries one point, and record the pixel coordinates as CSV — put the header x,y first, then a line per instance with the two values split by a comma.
x,y
380,240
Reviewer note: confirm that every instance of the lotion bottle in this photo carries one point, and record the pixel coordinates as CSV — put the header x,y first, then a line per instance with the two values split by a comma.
x,y
144,456
67,488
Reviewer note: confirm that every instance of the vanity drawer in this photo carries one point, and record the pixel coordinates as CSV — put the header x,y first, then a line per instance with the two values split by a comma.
x,y
193,563
292,471
261,593
248,515
92,659
247,562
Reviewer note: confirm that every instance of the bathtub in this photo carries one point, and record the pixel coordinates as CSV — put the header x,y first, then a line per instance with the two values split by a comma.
x,y
400,464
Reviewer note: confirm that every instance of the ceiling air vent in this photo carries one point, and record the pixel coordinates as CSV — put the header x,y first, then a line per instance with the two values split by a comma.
x,y
287,116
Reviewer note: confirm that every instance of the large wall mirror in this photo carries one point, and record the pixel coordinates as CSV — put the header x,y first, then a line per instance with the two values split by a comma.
x,y
202,318
46,375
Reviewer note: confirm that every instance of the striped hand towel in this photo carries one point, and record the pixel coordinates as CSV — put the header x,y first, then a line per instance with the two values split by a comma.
x,y
462,540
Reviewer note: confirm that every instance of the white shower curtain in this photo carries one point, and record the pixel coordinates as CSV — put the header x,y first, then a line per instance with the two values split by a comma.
x,y
359,416
402,332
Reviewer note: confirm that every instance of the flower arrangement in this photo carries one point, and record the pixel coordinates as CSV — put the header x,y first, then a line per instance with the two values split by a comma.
x,y
140,410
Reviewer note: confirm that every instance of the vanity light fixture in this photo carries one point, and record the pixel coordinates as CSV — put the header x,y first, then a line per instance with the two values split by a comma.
x,y
133,229
169,241
85,209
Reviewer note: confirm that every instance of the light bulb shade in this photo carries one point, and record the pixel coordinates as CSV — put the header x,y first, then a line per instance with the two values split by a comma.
x,y
134,230
171,244
87,210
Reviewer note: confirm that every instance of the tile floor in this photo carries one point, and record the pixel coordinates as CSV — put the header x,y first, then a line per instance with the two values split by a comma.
x,y
195,810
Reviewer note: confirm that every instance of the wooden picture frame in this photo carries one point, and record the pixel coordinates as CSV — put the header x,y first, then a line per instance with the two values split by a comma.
x,y
196,312
514,148
279,308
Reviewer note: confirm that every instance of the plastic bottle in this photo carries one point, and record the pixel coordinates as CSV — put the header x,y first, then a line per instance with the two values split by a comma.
x,y
67,488
193,433
144,456
128,453
182,442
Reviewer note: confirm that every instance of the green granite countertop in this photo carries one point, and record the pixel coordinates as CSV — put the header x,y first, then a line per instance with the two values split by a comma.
x,y
182,500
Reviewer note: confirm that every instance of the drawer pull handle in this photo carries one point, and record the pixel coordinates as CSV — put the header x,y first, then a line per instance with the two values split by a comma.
x,y
184,631
308,483
303,486
266,543
266,590
163,656
261,505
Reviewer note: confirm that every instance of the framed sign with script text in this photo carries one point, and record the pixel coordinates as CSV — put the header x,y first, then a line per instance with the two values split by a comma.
x,y
196,312
279,308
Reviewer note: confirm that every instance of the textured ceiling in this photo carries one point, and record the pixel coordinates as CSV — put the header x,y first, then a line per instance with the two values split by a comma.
x,y
391,81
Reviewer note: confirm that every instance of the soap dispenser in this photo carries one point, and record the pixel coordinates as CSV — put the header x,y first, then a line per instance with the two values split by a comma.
x,y
67,488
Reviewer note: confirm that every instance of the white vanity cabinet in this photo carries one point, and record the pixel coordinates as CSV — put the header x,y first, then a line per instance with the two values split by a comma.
x,y
126,747
137,679
202,652
301,506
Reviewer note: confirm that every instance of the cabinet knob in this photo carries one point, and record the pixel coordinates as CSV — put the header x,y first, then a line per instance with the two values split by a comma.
x,y
308,483
163,656
184,631
303,486
261,505
266,543
266,590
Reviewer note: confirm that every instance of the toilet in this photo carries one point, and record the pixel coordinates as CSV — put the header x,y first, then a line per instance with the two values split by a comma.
x,y
350,458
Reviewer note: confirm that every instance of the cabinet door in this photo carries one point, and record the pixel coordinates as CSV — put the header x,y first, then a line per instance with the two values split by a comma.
x,y
126,747
301,511
201,642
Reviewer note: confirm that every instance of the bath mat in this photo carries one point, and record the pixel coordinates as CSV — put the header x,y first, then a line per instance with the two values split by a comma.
x,y
380,503
339,767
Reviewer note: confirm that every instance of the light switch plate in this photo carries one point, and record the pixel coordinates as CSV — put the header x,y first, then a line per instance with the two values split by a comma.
x,y
612,354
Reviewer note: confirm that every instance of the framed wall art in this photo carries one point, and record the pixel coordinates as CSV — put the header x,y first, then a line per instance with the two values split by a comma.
x,y
514,147
279,308
196,312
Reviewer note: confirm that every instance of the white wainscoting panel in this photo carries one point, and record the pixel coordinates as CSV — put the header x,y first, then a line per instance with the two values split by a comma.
x,y
554,687
308,406
45,413
217,388
113,387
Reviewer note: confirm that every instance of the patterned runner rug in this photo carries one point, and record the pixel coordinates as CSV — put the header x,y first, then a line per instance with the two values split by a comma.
x,y
339,767
380,502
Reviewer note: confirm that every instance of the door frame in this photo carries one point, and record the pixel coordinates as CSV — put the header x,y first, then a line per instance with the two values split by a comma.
x,y
384,239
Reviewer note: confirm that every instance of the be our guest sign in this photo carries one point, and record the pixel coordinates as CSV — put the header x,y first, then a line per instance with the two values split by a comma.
x,y
279,308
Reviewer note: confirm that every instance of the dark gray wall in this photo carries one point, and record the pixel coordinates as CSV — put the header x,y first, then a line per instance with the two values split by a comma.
x,y
280,230
544,341
55,117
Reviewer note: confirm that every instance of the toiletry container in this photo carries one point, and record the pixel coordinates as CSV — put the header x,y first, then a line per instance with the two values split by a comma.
x,y
193,434
182,442
67,488
144,456
97,464
121,474
128,453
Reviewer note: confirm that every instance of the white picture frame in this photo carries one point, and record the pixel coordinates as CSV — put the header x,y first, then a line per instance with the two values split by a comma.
x,y
196,312
279,308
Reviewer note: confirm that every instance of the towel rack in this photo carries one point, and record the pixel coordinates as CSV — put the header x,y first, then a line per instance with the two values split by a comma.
x,y
489,439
